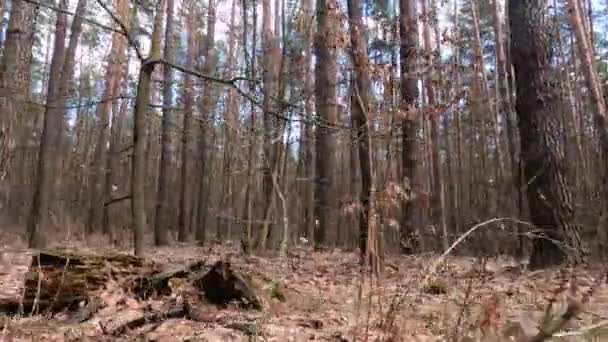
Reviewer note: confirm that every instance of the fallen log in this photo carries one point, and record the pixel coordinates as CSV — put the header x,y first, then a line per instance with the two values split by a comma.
x,y
57,280
61,281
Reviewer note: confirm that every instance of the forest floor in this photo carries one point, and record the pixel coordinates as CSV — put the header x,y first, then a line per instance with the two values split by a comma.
x,y
327,299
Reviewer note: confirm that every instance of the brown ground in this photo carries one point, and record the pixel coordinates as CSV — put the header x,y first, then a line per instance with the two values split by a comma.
x,y
324,300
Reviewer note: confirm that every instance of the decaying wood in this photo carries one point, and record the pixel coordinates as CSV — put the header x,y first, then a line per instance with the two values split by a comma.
x,y
187,311
154,317
222,284
61,281
158,284
57,281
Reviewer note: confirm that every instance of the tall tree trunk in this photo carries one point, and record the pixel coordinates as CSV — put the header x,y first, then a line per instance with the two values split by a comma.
x,y
2,22
595,87
360,117
65,86
503,94
251,160
485,108
112,86
185,204
38,217
227,204
15,75
326,79
308,144
161,221
50,142
138,160
459,202
539,126
207,107
271,127
113,157
433,115
408,23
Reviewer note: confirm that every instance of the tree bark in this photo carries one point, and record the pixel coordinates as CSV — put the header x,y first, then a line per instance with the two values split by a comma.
x,y
594,85
539,125
138,160
408,23
50,143
360,117
50,124
207,106
503,94
433,115
308,137
231,128
161,221
113,157
116,59
15,75
251,160
325,93
185,205
271,128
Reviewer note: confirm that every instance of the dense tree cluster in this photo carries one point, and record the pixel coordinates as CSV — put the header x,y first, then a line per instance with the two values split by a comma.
x,y
378,125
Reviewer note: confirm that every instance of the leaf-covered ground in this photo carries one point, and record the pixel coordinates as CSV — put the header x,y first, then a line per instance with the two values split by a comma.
x,y
325,298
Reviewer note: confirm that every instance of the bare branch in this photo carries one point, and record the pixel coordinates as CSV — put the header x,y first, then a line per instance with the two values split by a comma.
x,y
116,200
125,30
86,20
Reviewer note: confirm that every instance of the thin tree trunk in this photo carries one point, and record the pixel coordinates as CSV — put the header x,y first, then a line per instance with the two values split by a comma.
x,y
360,117
503,93
231,129
409,115
309,157
138,167
113,158
485,108
207,108
65,85
271,127
458,177
594,85
433,118
116,59
185,204
161,221
248,207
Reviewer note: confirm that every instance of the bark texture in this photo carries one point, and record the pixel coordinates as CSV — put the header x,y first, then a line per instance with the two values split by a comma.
x,y
360,116
408,25
326,78
539,126
138,158
162,222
